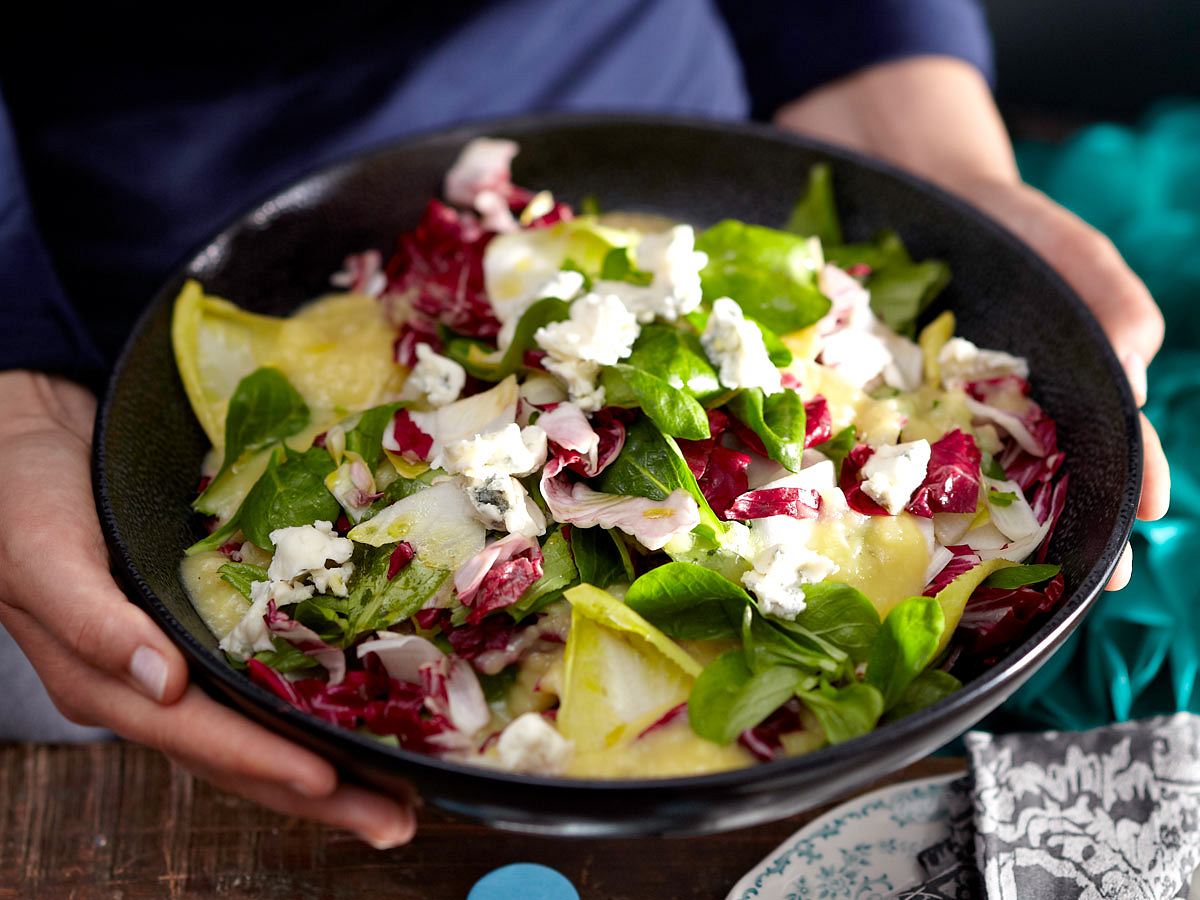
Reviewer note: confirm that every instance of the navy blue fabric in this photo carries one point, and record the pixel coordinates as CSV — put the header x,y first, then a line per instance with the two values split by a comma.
x,y
127,146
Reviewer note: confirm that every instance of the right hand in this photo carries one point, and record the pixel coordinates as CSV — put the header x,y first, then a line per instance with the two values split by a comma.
x,y
102,660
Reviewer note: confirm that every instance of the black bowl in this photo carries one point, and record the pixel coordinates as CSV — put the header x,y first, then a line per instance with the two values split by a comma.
x,y
148,446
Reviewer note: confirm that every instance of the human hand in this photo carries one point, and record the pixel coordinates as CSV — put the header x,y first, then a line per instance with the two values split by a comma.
x,y
102,660
935,116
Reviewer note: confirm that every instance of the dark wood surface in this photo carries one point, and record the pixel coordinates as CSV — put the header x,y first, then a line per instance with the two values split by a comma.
x,y
118,821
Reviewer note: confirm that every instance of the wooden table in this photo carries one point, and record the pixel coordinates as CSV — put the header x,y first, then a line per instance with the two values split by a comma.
x,y
118,821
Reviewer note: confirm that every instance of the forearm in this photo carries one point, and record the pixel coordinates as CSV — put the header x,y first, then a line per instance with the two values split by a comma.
x,y
932,115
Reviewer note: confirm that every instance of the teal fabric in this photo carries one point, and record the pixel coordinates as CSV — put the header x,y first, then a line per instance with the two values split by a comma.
x,y
1138,652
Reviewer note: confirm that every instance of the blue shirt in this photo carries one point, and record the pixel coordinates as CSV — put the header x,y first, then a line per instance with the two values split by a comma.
x,y
121,148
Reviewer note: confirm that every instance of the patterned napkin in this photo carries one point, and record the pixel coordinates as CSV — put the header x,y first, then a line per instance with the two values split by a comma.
x,y
1108,813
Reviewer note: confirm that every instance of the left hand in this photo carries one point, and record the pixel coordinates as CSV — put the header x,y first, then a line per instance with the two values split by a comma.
x,y
935,116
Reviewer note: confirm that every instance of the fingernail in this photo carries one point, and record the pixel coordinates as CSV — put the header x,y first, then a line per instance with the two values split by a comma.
x,y
149,670
1135,371
303,789
381,843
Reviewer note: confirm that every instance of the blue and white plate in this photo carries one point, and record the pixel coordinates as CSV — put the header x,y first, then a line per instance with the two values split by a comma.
x,y
864,849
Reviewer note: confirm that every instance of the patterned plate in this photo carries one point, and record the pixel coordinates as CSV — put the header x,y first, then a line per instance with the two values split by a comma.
x,y
864,849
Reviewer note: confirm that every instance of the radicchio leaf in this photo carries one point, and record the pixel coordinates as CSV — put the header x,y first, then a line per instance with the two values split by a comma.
x,y
818,424
995,618
963,560
406,438
438,266
306,641
952,480
1005,402
799,503
498,575
764,740
415,330
851,484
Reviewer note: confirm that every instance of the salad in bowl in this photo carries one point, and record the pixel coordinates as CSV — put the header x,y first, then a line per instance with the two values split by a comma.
x,y
588,494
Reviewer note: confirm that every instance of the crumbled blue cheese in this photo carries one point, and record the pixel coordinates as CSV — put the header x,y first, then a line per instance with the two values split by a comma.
x,y
531,744
779,576
435,377
736,347
961,361
600,331
502,504
511,450
674,263
564,285
893,472
298,570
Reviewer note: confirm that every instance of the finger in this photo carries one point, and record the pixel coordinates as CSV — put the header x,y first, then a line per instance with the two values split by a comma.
x,y
196,727
1156,475
56,570
378,820
1123,572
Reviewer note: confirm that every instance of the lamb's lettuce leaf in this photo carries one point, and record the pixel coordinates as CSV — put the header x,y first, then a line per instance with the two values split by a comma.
x,y
778,420
728,698
815,214
770,273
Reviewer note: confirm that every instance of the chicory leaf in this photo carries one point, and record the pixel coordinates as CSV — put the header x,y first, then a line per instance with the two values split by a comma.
x,y
770,273
728,698
815,214
778,420
846,712
688,602
906,643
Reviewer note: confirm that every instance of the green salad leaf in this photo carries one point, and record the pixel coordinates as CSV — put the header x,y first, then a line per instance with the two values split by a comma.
x,y
846,712
677,358
366,437
598,556
777,642
375,601
841,615
906,643
728,698
476,357
838,447
686,601
778,420
618,265
290,492
241,575
1021,576
675,412
770,273
900,288
558,574
815,214
285,658
650,465
925,690
264,409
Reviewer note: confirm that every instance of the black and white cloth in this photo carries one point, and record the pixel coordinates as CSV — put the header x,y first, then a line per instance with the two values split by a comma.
x,y
1108,814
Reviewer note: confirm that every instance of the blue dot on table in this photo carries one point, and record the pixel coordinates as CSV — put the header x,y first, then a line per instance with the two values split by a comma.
x,y
523,881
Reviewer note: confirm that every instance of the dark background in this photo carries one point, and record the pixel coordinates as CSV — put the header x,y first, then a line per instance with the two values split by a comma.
x,y
1065,62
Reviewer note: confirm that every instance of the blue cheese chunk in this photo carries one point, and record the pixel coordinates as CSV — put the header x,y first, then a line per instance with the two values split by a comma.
x,y
735,346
